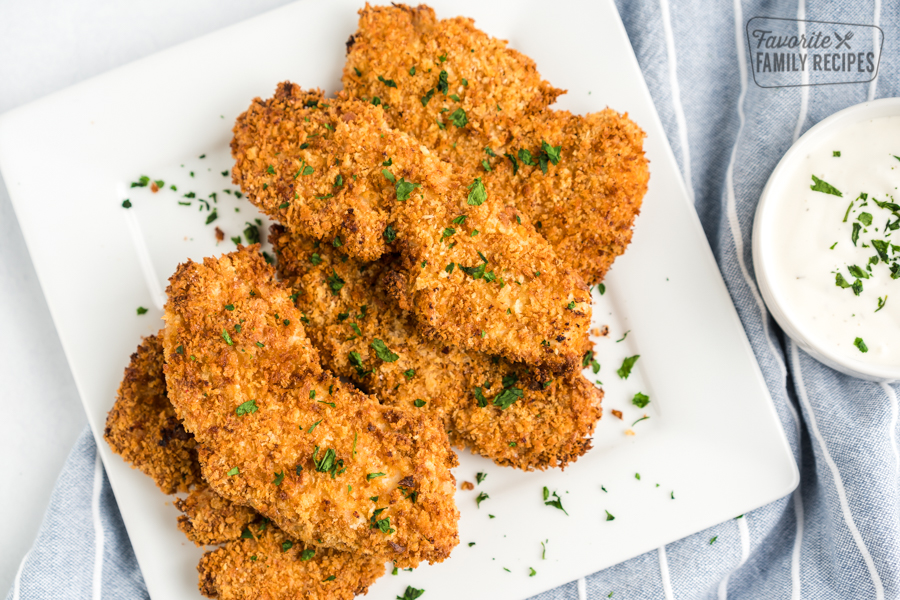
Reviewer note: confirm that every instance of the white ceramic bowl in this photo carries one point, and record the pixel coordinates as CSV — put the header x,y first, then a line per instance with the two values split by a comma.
x,y
764,249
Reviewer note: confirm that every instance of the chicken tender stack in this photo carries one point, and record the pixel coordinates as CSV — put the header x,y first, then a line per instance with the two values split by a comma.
x,y
483,106
473,270
497,409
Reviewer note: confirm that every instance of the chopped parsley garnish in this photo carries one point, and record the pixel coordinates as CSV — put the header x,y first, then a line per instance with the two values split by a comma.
x,y
212,216
233,472
314,425
227,338
180,349
260,345
477,193
382,524
824,187
507,398
525,157
329,578
479,396
409,373
411,593
372,476
531,572
389,234
383,352
480,498
126,203
836,153
246,408
625,370
442,86
609,517
515,163
552,152
479,477
881,303
251,233
640,400
405,188
553,500
337,242
427,97
713,540
458,118
307,554
387,82
389,176
335,282
141,310
270,170
859,343
279,477
858,272
328,462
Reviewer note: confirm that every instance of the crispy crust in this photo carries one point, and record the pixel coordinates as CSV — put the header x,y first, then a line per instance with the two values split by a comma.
x,y
229,572
271,362
549,425
586,203
262,569
211,519
272,144
142,426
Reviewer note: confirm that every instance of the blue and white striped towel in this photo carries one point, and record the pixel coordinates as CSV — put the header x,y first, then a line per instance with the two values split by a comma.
x,y
838,535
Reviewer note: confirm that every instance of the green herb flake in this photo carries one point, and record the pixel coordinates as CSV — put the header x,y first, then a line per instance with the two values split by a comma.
x,y
481,497
383,351
141,310
640,400
625,370
411,593
233,472
609,516
279,477
881,303
859,343
388,82
824,187
389,234
427,97
442,86
477,193
405,188
227,338
458,118
246,408
553,500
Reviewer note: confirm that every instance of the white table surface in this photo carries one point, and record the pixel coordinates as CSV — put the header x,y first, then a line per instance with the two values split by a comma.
x,y
45,46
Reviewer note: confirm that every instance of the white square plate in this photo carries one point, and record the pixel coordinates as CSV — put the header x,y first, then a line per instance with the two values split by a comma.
x,y
712,440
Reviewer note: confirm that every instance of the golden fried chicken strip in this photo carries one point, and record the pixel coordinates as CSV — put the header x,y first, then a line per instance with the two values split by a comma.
x,y
474,272
142,427
581,178
211,519
283,436
485,403
423,71
273,567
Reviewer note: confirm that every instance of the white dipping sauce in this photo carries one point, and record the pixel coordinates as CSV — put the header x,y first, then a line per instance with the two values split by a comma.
x,y
806,225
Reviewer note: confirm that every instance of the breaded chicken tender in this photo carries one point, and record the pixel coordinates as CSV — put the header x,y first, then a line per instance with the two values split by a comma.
x,y
482,106
281,435
142,426
485,403
473,270
273,567
211,519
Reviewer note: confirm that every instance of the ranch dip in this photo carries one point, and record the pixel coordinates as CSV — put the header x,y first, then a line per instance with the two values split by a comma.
x,y
836,235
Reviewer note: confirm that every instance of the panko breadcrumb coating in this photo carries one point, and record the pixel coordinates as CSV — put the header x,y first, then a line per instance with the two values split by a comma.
x,y
474,271
273,567
550,422
283,436
142,426
211,519
482,106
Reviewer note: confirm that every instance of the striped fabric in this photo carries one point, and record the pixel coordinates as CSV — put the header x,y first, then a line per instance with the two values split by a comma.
x,y
838,535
